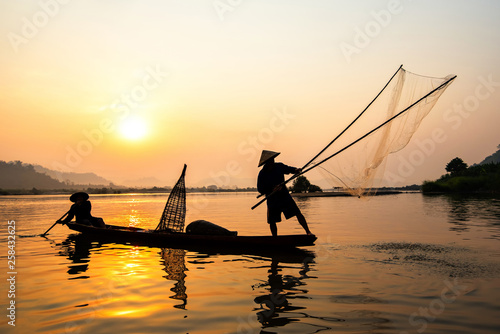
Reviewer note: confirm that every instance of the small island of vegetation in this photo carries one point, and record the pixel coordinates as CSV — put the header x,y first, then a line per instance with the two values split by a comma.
x,y
481,178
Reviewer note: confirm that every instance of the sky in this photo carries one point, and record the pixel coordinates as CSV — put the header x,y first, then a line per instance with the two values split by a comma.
x,y
132,89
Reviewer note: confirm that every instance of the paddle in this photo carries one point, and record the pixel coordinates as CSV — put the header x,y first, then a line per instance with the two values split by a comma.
x,y
57,221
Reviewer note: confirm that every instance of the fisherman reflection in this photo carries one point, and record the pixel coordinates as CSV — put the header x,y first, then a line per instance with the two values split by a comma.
x,y
77,249
277,301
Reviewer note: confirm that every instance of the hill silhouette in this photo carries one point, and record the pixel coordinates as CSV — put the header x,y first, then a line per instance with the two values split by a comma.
x,y
494,158
73,178
16,175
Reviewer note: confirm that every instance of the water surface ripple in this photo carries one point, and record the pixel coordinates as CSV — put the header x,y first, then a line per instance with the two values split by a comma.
x,y
406,263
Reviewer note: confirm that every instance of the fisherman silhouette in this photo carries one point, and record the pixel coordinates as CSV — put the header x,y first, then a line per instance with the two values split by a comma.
x,y
81,211
270,180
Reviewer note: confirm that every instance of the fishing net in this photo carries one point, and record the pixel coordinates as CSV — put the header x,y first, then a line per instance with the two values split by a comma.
x,y
174,214
355,161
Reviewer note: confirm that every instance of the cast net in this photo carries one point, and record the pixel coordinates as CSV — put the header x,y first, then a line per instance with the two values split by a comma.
x,y
174,214
355,160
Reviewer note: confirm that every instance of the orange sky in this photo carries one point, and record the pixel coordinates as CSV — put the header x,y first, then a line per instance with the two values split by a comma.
x,y
211,83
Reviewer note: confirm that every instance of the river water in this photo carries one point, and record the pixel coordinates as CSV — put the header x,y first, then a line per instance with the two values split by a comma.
x,y
404,263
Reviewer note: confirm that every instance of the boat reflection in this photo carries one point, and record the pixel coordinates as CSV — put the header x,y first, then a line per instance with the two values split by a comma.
x,y
283,291
77,248
175,267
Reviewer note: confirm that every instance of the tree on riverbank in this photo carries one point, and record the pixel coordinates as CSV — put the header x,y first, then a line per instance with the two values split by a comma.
x,y
302,185
456,166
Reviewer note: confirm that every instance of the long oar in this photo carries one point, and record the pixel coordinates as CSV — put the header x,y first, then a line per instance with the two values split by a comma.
x,y
57,222
360,138
343,131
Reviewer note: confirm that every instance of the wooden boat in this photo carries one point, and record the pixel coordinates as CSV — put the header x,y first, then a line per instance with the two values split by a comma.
x,y
170,231
83,242
176,239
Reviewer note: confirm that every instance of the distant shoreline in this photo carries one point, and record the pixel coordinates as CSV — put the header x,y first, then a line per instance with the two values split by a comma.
x,y
347,194
155,190
113,191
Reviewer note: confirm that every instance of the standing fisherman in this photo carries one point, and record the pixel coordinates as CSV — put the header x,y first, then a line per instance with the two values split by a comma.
x,y
270,180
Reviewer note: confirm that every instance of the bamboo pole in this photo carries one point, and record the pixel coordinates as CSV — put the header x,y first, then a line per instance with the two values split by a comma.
x,y
360,138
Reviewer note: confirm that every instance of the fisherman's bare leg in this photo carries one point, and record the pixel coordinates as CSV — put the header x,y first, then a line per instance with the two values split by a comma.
x,y
272,224
274,229
303,223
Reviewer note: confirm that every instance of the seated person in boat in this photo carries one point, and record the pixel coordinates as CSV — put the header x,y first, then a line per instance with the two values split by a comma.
x,y
81,210
270,179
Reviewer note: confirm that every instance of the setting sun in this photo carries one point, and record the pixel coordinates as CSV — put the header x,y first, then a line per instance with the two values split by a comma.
x,y
133,128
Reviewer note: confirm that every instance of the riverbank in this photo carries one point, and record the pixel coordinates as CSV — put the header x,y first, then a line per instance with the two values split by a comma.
x,y
475,179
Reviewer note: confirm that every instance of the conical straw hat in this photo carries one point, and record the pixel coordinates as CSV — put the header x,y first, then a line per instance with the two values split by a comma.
x,y
266,155
73,198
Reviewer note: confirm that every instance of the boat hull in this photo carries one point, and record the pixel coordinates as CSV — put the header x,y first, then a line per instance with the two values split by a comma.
x,y
164,239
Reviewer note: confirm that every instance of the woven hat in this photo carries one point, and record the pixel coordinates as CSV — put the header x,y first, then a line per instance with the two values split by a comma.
x,y
267,155
73,198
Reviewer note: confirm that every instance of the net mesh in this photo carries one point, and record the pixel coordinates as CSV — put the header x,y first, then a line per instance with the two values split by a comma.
x,y
174,214
408,98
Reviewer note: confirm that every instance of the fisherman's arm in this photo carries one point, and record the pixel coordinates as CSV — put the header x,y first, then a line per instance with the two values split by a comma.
x,y
71,215
291,170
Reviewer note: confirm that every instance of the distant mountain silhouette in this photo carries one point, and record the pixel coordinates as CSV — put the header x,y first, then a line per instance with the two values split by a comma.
x,y
16,175
73,178
494,158
19,175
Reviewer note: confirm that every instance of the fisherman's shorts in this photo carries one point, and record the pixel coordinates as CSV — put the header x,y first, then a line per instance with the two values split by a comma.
x,y
288,207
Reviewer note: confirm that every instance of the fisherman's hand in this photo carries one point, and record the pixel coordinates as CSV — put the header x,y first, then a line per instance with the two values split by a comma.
x,y
298,170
